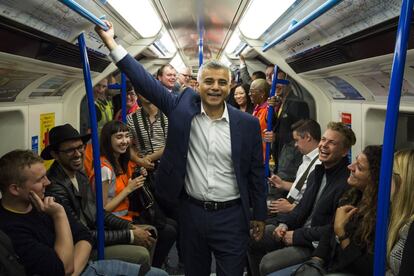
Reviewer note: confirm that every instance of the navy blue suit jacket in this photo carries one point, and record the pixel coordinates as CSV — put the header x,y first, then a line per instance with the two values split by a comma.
x,y
246,142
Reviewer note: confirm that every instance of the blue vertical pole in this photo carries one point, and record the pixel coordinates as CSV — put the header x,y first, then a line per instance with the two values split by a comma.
x,y
390,130
95,145
270,111
123,97
200,28
200,48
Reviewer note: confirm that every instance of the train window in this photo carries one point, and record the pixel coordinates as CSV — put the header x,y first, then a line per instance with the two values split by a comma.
x,y
12,129
12,82
375,119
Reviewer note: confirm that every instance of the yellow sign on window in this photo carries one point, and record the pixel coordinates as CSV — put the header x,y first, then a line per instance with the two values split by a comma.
x,y
47,122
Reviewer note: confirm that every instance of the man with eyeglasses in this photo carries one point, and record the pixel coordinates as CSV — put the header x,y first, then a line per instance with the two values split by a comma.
x,y
184,77
71,187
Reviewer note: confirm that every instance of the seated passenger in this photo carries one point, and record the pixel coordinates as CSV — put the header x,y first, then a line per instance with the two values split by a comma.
x,y
292,240
348,246
400,245
48,240
243,101
71,187
117,184
306,134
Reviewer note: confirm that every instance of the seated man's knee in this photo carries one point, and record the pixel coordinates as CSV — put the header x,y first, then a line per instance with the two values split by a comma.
x,y
267,265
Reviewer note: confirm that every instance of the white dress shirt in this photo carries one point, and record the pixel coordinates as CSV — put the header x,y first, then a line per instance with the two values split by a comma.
x,y
210,173
306,160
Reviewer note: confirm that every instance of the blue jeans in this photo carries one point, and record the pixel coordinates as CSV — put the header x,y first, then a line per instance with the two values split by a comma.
x,y
116,267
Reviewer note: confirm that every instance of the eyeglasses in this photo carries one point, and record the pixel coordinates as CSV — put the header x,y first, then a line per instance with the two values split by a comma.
x,y
72,151
185,75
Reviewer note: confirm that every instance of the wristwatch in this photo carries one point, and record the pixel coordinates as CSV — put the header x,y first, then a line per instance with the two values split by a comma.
x,y
338,239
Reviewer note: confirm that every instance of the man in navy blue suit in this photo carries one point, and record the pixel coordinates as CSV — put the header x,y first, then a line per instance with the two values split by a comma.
x,y
212,165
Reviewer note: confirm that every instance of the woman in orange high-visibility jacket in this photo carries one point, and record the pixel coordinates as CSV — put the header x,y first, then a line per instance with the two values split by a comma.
x,y
116,169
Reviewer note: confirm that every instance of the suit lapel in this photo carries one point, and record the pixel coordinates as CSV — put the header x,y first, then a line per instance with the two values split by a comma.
x,y
235,135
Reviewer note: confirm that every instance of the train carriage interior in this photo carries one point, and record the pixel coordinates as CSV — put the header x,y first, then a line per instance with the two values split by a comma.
x,y
340,63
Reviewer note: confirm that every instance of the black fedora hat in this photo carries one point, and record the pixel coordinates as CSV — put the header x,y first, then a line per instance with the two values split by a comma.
x,y
60,134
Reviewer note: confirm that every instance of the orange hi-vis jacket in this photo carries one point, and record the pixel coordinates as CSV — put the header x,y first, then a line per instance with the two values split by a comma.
x,y
121,181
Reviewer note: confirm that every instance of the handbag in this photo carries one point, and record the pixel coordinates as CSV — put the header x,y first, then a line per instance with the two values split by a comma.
x,y
311,267
142,198
145,204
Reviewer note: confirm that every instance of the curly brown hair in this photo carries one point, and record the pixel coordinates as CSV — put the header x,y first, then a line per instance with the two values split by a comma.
x,y
367,206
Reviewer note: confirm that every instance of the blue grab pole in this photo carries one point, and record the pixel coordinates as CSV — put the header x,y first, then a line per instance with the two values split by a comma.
x,y
390,130
95,145
123,97
305,21
84,13
200,49
270,111
200,28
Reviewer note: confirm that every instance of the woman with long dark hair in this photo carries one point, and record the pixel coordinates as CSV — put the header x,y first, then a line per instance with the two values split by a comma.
x,y
242,99
117,185
116,170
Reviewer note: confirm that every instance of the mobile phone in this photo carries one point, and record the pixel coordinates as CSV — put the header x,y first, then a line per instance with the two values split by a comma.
x,y
136,173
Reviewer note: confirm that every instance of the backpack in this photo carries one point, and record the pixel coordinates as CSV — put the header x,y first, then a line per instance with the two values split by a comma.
x,y
9,261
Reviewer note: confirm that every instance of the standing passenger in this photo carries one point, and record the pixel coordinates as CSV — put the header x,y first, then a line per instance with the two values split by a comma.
x,y
167,75
259,92
288,110
243,101
131,101
212,161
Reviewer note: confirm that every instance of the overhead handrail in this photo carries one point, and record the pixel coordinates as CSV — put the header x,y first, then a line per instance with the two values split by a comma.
x,y
305,21
84,13
95,145
390,130
241,49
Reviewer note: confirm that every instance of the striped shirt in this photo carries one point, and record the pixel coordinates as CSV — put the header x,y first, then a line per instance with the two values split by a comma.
x,y
151,136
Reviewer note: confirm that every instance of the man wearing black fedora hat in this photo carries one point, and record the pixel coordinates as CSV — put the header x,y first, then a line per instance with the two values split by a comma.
x,y
70,186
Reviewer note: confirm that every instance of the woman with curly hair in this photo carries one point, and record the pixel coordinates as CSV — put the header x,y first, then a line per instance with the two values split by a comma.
x,y
347,247
400,245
